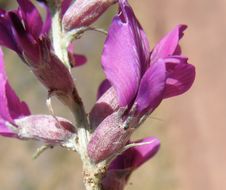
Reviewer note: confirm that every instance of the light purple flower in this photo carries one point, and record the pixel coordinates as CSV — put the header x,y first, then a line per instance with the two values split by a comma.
x,y
140,78
16,121
122,166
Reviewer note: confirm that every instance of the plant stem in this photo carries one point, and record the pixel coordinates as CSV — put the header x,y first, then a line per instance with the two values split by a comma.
x,y
59,45
93,173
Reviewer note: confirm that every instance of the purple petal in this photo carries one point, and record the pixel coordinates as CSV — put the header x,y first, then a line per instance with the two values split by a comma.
x,y
104,86
47,24
121,60
181,76
145,152
139,34
104,106
169,44
6,35
151,89
10,105
75,59
24,40
65,5
121,168
116,179
136,156
32,19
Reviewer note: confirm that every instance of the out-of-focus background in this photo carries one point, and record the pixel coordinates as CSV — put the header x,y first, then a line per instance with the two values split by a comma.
x,y
192,127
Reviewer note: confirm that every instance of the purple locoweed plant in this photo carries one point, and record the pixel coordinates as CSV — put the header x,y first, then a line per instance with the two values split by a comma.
x,y
137,80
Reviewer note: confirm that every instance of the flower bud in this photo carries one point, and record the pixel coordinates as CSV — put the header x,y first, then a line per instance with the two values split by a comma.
x,y
85,12
109,138
104,107
45,127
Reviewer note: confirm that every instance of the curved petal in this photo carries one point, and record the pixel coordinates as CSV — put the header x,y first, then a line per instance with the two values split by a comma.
x,y
123,62
121,168
116,179
104,86
151,89
181,76
32,19
6,35
104,106
10,105
48,21
136,156
24,40
139,34
65,5
169,44
75,59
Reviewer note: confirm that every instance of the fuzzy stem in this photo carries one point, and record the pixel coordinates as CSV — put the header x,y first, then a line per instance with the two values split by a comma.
x,y
59,45
93,173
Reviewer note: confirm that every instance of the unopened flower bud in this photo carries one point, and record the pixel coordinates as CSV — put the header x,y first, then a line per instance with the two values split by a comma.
x,y
45,127
85,12
104,107
109,138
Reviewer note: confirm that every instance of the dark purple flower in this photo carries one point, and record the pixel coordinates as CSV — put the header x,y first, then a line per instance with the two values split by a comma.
x,y
24,32
140,78
122,166
16,121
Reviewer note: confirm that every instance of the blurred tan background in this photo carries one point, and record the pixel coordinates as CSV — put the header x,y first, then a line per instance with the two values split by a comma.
x,y
192,127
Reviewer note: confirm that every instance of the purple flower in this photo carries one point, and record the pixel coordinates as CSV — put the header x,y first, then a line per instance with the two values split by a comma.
x,y
23,31
122,166
140,79
16,121
10,105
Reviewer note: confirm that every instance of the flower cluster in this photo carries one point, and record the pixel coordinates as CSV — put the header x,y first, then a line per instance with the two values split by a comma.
x,y
137,80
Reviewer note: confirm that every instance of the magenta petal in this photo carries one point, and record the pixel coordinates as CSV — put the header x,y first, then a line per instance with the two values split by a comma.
x,y
169,44
116,179
121,61
142,44
181,76
48,21
125,61
104,86
24,40
145,152
10,105
31,17
151,89
75,59
121,168
136,156
65,5
104,106
6,35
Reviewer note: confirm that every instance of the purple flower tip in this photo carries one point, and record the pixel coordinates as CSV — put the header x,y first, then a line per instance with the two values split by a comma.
x,y
10,105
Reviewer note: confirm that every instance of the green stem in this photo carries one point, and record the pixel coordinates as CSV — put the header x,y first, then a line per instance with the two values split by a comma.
x,y
59,45
93,173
